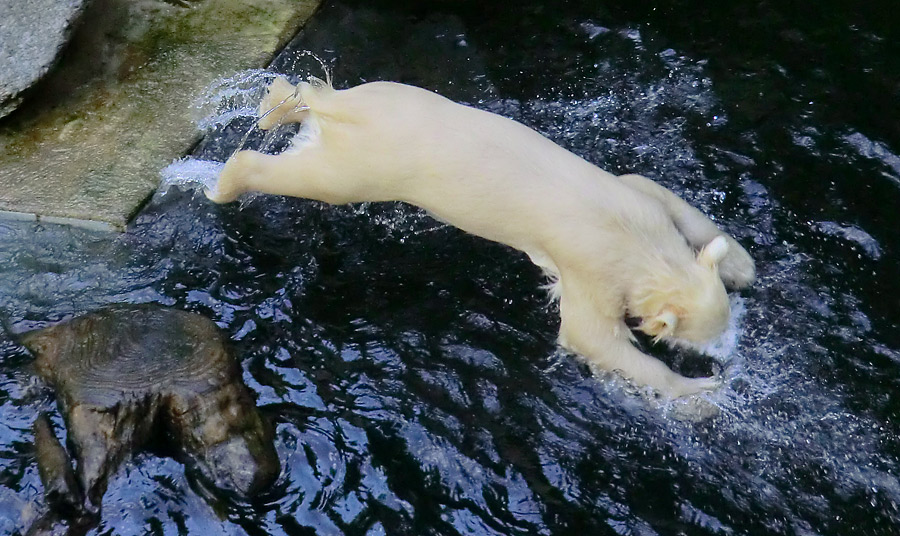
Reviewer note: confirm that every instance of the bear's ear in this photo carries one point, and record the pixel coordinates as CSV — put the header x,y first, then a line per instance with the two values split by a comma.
x,y
660,326
713,253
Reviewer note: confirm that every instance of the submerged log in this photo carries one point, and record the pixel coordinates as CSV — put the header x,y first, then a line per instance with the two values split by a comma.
x,y
126,376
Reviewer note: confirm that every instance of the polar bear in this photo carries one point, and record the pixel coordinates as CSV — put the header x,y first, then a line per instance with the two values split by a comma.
x,y
614,247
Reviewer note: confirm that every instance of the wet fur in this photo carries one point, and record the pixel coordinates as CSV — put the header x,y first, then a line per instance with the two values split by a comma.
x,y
613,246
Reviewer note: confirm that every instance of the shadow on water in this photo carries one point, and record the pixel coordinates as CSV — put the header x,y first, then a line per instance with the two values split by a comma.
x,y
411,369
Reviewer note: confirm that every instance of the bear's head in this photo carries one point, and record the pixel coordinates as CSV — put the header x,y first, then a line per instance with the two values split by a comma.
x,y
684,300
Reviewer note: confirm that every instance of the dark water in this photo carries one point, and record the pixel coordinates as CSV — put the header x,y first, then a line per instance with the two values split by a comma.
x,y
412,370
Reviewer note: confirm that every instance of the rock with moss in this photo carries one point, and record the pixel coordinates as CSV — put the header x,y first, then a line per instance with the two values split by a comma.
x,y
87,145
32,35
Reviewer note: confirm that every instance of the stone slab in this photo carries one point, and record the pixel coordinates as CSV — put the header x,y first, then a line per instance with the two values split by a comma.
x,y
89,142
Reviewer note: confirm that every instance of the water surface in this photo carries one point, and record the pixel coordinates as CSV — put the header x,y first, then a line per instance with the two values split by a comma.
x,y
411,369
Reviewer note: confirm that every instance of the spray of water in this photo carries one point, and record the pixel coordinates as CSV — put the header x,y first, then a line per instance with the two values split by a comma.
x,y
190,173
228,100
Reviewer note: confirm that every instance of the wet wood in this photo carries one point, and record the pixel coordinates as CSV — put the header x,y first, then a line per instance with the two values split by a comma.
x,y
126,376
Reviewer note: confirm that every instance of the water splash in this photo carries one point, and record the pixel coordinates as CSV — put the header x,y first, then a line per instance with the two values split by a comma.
x,y
240,94
225,103
296,68
724,347
190,173
230,98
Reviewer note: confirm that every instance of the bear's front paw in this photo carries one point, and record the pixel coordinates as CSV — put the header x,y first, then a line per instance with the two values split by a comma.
x,y
692,386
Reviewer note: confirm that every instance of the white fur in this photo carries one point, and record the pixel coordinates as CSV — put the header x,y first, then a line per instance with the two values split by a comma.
x,y
614,246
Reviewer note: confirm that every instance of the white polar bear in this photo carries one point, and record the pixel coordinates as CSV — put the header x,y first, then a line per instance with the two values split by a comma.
x,y
616,247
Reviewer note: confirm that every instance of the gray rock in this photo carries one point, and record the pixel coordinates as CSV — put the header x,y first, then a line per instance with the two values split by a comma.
x,y
32,34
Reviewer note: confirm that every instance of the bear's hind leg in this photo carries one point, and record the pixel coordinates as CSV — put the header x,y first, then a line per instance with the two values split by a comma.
x,y
310,172
282,104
